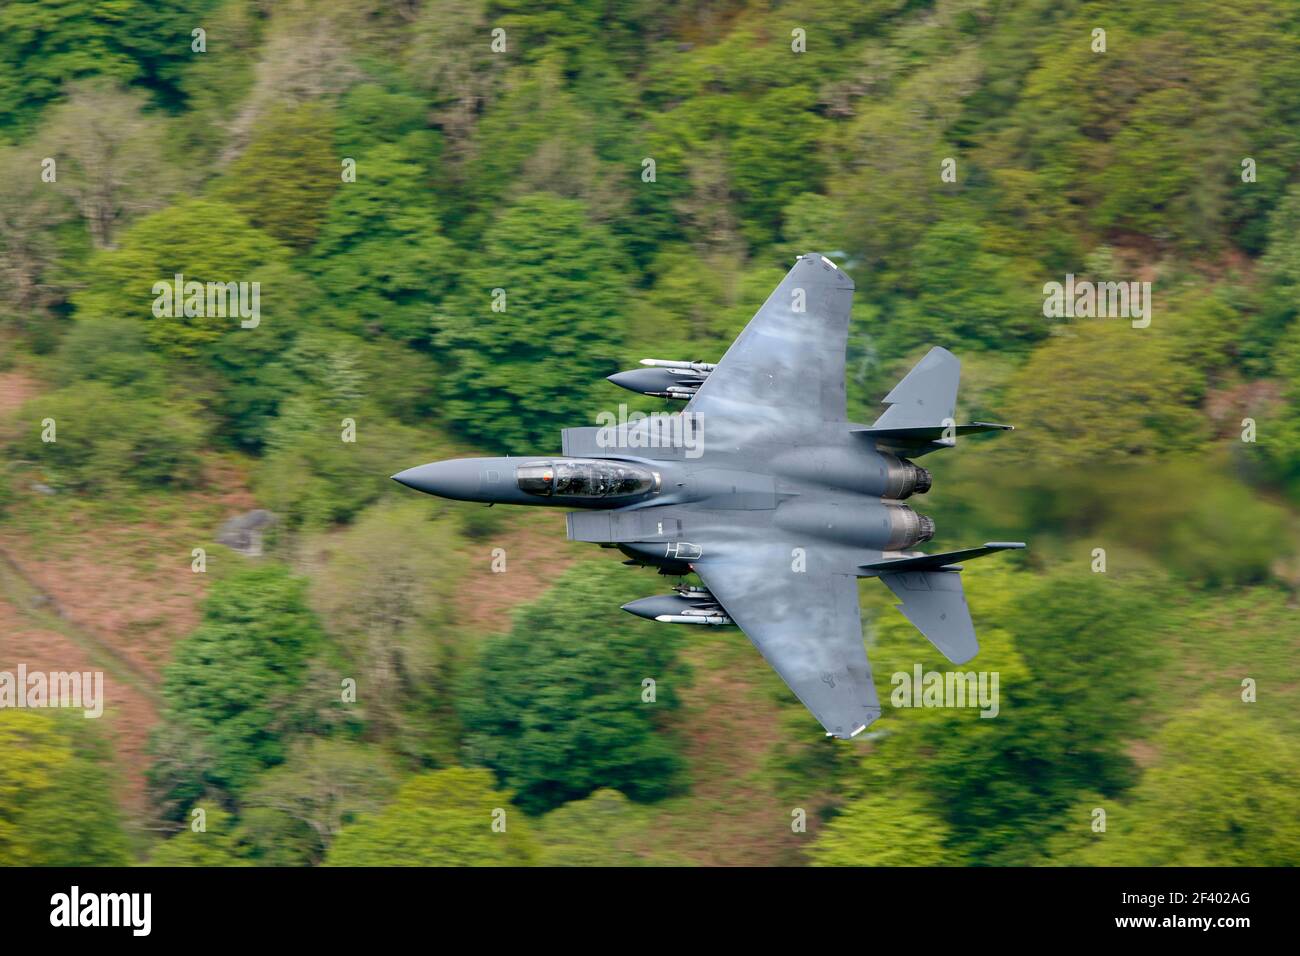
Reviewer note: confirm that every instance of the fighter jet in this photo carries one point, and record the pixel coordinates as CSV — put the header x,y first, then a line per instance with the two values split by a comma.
x,y
765,491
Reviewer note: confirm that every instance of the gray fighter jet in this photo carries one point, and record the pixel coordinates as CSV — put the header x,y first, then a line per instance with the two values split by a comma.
x,y
765,491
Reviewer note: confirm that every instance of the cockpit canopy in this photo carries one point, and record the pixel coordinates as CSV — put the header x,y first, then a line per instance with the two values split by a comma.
x,y
585,478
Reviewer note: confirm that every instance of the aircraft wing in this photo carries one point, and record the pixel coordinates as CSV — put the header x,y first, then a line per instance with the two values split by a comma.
x,y
785,371
807,627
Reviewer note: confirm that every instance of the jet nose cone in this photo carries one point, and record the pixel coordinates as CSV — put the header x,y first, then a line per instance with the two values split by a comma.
x,y
407,478
446,479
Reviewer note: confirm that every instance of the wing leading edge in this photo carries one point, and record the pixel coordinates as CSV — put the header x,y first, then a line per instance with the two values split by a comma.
x,y
786,368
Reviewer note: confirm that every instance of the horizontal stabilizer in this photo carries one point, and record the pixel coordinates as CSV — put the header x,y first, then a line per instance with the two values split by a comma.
x,y
936,605
929,433
939,562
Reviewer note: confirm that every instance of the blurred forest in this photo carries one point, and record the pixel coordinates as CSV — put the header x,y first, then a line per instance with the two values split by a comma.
x,y
524,169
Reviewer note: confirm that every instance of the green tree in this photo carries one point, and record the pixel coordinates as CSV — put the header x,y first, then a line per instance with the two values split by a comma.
x,y
46,43
30,213
773,156
884,145
113,351
239,686
1101,392
455,75
387,586
1148,166
1279,434
57,806
380,258
283,181
604,829
371,114
215,845
965,295
108,160
233,370
1226,792
441,818
402,382
555,705
108,438
293,814
202,240
545,134
884,829
309,474
1267,341
215,85
555,333
1067,707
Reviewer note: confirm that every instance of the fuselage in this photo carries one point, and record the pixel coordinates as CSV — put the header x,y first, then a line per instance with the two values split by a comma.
x,y
835,490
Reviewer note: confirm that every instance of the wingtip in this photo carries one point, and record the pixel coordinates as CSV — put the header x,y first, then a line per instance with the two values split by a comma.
x,y
827,263
872,714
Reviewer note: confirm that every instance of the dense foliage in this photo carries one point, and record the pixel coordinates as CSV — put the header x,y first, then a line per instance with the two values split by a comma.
x,y
558,714
452,246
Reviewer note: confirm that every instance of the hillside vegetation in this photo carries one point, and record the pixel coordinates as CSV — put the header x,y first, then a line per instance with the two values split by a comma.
x,y
456,234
